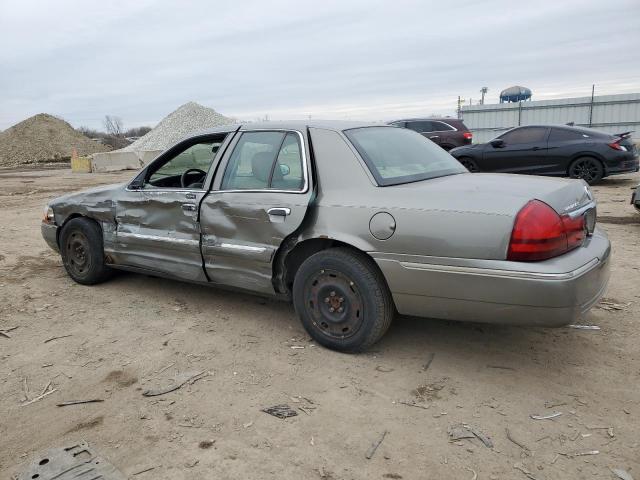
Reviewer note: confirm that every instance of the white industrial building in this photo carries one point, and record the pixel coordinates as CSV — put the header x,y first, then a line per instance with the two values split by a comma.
x,y
608,113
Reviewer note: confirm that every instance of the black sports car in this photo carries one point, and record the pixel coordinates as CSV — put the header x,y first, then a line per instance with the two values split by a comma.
x,y
557,150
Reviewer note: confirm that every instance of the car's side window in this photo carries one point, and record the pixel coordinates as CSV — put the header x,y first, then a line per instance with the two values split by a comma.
x,y
421,126
442,127
524,135
265,160
196,159
563,135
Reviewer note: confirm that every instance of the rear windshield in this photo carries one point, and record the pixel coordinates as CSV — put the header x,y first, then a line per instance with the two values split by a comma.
x,y
397,155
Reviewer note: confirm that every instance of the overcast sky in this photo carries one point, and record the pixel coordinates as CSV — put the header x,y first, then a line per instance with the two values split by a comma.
x,y
345,59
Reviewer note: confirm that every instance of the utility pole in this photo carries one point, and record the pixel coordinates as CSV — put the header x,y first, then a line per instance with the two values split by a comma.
x,y
593,90
460,102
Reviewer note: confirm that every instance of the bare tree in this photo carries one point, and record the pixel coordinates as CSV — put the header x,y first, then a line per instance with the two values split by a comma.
x,y
113,125
115,130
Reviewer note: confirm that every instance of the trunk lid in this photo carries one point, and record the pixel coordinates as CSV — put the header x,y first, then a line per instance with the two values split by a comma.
x,y
496,193
471,215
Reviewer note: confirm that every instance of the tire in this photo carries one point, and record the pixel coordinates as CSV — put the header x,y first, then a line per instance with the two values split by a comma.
x,y
342,300
82,252
469,164
588,169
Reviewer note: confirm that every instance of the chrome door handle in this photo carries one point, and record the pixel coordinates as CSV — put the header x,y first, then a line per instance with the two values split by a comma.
x,y
279,211
189,207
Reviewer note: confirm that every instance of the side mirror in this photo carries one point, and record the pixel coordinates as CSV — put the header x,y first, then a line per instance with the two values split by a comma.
x,y
497,143
284,169
136,185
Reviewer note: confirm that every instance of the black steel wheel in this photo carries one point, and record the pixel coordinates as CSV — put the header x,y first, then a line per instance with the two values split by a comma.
x,y
342,299
82,251
469,164
588,169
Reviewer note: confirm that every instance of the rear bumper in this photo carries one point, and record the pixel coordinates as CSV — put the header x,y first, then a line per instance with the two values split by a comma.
x,y
50,235
541,296
625,166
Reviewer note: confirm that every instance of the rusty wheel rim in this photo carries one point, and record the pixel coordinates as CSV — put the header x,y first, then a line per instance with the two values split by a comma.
x,y
77,258
334,304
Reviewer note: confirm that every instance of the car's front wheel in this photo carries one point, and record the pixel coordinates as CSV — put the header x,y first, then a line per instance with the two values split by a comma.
x,y
588,169
82,251
342,299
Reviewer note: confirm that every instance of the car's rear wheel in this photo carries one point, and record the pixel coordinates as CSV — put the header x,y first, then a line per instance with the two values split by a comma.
x,y
588,169
469,164
342,300
82,251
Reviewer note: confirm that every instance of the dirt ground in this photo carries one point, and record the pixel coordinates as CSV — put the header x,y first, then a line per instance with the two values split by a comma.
x,y
136,333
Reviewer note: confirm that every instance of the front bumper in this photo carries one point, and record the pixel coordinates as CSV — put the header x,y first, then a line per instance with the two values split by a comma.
x,y
50,235
555,292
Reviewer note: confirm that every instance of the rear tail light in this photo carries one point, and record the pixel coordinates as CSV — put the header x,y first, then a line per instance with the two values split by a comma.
x,y
467,135
539,233
616,146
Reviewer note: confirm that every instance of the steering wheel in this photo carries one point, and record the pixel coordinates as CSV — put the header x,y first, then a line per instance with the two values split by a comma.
x,y
183,177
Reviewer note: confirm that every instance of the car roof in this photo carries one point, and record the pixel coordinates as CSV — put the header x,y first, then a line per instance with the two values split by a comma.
x,y
439,119
336,125
586,130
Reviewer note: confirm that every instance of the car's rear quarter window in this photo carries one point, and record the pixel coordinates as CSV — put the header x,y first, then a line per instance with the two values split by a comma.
x,y
396,155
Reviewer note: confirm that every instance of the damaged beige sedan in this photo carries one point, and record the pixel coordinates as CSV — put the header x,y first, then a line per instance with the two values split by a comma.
x,y
352,222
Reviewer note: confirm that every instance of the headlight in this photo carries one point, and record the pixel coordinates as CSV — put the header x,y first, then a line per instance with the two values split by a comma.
x,y
48,216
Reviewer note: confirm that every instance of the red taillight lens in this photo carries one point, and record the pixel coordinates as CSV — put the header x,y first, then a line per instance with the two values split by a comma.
x,y
539,233
616,146
576,230
467,135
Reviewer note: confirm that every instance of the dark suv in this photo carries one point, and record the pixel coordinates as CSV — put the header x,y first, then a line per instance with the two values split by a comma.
x,y
446,132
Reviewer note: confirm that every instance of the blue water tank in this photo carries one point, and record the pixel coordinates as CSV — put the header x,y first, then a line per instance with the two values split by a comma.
x,y
515,94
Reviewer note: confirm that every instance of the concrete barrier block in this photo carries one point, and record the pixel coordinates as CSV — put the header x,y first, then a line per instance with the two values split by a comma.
x,y
114,161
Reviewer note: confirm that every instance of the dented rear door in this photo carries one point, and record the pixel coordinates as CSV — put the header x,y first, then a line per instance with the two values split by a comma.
x,y
259,197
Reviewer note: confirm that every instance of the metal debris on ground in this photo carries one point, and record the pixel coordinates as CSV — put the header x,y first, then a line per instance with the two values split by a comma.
x,y
430,358
145,470
500,367
281,411
56,338
462,430
414,404
374,446
75,462
180,381
584,327
545,417
79,402
621,474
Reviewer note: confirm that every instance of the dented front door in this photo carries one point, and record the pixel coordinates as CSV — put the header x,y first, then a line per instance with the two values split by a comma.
x,y
260,196
158,230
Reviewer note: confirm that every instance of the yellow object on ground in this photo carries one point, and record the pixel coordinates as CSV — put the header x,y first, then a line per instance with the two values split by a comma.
x,y
81,165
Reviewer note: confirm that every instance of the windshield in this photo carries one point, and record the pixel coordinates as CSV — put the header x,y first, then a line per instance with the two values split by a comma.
x,y
397,155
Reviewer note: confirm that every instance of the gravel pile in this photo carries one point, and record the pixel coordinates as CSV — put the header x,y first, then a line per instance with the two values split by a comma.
x,y
189,118
43,138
